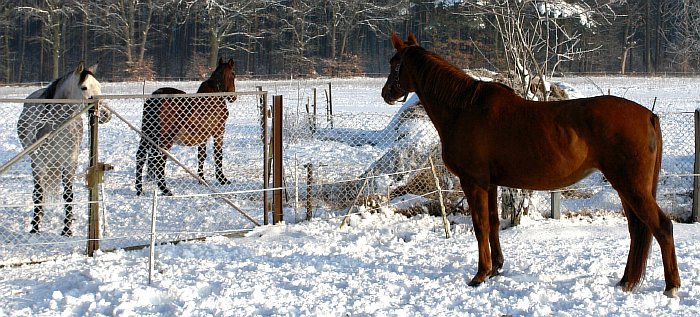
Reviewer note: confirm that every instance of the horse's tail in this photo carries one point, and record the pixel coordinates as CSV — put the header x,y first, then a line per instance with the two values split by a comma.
x,y
659,149
641,245
150,129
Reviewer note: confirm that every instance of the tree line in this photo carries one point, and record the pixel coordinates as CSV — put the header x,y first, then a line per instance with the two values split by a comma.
x,y
159,39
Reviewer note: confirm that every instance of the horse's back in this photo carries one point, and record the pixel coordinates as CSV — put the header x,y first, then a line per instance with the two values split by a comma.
x,y
547,145
155,109
29,119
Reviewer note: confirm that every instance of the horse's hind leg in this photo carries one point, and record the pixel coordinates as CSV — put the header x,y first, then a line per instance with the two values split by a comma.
x,y
38,198
219,160
141,157
67,180
201,157
647,213
640,244
159,160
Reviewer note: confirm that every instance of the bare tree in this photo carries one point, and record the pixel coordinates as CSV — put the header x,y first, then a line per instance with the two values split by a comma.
x,y
539,35
349,15
228,24
298,21
6,21
633,21
685,43
128,23
52,14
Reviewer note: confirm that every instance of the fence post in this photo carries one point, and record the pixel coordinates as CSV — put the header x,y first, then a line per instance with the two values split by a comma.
x,y
277,169
266,159
309,189
695,217
93,178
329,110
556,204
152,251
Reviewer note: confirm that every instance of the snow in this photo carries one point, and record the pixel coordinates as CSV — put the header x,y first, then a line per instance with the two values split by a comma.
x,y
379,264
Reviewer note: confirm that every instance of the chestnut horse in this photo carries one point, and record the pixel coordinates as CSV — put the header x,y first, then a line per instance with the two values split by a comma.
x,y
185,121
492,137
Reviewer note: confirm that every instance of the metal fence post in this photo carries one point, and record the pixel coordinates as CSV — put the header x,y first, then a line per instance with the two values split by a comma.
x,y
152,251
556,204
277,215
695,217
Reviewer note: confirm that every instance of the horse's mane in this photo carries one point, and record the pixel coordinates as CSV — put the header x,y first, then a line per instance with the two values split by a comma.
x,y
216,80
50,91
448,83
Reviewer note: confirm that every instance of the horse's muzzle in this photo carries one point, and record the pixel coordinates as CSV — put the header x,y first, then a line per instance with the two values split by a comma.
x,y
386,94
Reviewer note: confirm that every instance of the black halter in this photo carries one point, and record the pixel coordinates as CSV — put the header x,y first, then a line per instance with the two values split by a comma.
x,y
396,83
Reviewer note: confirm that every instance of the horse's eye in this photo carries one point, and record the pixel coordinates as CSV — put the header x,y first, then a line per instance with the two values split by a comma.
x,y
83,88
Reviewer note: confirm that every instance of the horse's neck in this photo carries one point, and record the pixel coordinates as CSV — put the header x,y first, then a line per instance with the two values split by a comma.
x,y
210,85
443,103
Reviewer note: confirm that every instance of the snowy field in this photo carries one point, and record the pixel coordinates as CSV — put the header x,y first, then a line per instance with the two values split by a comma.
x,y
382,263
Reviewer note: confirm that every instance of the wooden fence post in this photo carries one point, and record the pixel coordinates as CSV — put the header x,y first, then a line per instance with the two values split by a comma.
x,y
277,169
93,179
266,158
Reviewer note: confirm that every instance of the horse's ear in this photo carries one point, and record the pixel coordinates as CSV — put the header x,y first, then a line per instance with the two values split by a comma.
x,y
231,62
412,39
93,68
221,60
80,68
397,42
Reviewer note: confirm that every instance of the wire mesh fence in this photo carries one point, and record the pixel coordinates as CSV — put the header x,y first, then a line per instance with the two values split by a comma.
x,y
332,162
379,159
196,208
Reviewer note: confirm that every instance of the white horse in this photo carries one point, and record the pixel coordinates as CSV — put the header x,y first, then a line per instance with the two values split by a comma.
x,y
56,159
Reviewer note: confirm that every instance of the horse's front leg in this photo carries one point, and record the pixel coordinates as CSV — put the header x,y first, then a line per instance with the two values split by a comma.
x,y
219,160
495,229
478,197
38,199
67,180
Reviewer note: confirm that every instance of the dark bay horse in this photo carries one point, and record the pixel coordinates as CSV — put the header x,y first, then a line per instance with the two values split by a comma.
x,y
185,121
54,162
492,137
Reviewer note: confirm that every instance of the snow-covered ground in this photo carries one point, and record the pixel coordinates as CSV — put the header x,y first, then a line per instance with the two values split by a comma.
x,y
381,263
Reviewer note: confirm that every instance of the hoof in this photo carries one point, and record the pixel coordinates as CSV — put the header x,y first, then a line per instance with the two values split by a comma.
x,y
671,293
139,192
166,192
626,287
34,231
224,181
67,232
474,282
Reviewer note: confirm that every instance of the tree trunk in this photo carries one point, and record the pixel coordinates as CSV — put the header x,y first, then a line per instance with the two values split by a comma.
x,y
213,47
144,33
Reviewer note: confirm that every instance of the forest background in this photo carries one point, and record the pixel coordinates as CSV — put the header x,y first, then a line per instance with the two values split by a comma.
x,y
181,39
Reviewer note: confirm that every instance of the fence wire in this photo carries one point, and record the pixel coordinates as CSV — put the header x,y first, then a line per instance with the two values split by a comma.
x,y
193,210
331,163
